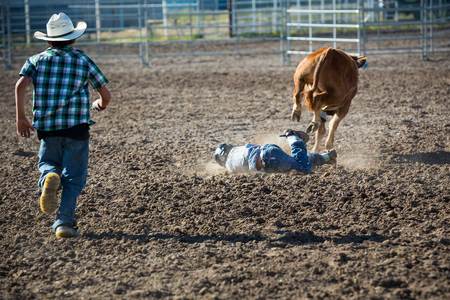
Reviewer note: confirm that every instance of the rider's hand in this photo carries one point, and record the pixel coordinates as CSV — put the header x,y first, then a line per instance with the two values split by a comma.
x,y
97,106
24,127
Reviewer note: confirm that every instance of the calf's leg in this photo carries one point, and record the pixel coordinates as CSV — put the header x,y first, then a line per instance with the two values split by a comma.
x,y
315,106
296,98
318,138
334,123
317,126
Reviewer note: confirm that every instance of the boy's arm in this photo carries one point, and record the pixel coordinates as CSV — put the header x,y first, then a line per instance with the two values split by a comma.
x,y
103,101
23,126
98,81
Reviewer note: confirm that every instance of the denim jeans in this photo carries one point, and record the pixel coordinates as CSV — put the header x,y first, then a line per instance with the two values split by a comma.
x,y
276,160
68,158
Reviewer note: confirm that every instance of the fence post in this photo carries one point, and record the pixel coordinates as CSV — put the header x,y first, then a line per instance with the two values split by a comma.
x,y
97,20
322,6
310,28
231,19
254,15
274,16
334,24
190,20
3,31
146,39
236,31
430,24
358,33
8,54
362,29
27,22
423,29
197,19
284,33
164,15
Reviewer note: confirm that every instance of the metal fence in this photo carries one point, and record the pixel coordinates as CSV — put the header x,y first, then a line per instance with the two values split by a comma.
x,y
188,29
422,28
367,27
310,24
5,36
150,29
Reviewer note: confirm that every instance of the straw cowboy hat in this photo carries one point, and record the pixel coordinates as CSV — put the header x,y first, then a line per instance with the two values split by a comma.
x,y
60,28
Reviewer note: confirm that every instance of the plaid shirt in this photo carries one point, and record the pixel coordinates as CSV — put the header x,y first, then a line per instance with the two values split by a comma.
x,y
61,92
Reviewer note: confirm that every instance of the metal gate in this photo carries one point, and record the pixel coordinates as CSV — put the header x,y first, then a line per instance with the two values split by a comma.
x,y
392,28
366,26
312,24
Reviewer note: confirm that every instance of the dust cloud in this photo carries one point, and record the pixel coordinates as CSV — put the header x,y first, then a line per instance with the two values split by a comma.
x,y
272,138
204,169
358,157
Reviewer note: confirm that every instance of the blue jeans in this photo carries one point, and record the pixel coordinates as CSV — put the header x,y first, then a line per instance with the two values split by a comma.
x,y
68,158
276,160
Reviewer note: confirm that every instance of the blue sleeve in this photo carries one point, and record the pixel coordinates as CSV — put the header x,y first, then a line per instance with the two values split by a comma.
x,y
95,76
254,153
28,69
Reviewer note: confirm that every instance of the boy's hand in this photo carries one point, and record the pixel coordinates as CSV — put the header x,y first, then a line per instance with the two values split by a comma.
x,y
24,127
96,105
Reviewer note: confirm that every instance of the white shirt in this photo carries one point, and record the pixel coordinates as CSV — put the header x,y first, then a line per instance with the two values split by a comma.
x,y
237,160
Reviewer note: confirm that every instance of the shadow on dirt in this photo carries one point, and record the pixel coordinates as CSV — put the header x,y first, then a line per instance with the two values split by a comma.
x,y
24,153
429,158
303,238
286,238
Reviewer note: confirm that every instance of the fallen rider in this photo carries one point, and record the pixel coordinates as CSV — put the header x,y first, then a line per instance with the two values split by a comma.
x,y
270,158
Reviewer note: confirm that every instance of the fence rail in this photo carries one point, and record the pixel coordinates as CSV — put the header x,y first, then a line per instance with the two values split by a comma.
x,y
148,30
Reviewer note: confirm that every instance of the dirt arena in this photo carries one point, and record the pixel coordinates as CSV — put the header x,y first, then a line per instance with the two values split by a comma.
x,y
158,219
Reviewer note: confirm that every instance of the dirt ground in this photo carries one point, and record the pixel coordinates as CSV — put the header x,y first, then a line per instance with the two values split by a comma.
x,y
159,219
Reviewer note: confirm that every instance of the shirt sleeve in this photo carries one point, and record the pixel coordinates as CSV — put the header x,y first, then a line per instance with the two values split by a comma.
x,y
96,77
28,69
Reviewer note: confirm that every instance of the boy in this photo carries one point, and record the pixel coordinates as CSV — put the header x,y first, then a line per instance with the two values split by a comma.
x,y
60,76
271,158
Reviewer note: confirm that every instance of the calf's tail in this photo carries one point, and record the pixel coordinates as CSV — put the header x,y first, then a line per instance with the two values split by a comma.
x,y
319,66
309,97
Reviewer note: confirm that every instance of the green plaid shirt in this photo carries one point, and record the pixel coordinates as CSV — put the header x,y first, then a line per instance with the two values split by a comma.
x,y
61,92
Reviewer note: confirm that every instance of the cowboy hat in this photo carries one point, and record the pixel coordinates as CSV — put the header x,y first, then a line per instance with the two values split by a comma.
x,y
60,28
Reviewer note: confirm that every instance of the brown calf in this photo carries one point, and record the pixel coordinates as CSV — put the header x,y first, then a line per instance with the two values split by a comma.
x,y
328,81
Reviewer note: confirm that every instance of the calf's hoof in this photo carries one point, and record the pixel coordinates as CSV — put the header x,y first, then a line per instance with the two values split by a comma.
x,y
296,114
312,127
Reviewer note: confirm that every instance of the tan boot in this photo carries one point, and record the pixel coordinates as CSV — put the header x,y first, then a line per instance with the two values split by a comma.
x,y
48,201
66,232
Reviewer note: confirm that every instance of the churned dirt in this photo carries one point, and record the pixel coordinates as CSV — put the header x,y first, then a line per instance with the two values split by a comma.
x,y
159,219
